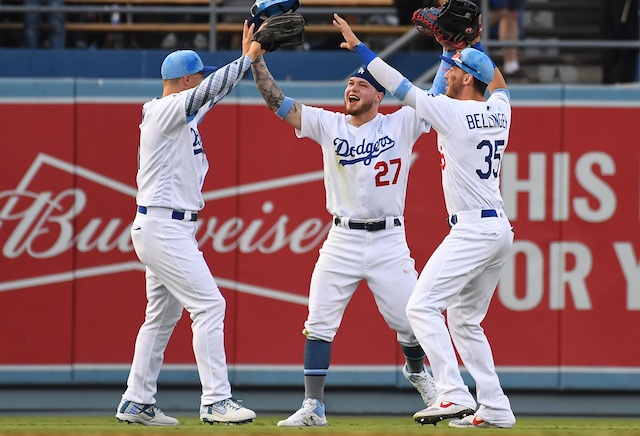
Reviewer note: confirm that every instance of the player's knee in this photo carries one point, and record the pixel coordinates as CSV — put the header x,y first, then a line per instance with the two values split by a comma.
x,y
412,311
418,308
460,327
161,324
210,308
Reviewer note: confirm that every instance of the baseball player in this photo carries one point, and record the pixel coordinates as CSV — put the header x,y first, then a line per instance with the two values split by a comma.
x,y
462,273
171,171
366,159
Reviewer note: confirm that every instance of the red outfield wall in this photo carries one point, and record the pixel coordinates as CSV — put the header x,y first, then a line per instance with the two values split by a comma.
x,y
72,291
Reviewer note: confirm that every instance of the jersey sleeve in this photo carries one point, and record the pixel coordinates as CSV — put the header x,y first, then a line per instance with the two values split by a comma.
x,y
500,98
215,87
315,123
502,94
409,124
437,110
168,113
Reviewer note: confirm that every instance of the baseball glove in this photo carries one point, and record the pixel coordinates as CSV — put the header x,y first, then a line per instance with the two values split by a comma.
x,y
283,30
454,25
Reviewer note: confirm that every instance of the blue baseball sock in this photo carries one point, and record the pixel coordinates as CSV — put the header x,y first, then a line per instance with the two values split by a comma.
x,y
317,355
414,356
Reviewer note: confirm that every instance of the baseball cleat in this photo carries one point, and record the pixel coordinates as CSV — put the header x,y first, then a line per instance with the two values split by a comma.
x,y
227,412
441,411
311,414
145,414
472,421
424,383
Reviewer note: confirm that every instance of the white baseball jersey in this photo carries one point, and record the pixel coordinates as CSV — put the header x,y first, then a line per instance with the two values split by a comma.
x,y
171,164
366,168
461,275
171,169
472,137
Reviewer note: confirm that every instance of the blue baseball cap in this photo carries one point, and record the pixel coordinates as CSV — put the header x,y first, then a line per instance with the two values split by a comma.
x,y
363,73
181,63
474,62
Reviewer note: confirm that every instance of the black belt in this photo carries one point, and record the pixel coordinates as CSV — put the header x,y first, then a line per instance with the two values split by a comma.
x,y
369,226
484,213
175,214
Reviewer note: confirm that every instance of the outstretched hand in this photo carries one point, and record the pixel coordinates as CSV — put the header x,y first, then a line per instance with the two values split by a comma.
x,y
247,36
251,48
351,40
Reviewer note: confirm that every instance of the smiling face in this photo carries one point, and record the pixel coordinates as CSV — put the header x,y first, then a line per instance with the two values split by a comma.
x,y
360,97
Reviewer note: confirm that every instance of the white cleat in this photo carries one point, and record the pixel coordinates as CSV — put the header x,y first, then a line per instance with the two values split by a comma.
x,y
311,414
472,421
227,412
145,414
424,383
440,411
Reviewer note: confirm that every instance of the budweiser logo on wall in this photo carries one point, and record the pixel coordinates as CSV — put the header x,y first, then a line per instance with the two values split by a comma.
x,y
50,215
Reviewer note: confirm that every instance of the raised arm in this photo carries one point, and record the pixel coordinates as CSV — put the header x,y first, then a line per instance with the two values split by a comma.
x,y
284,107
399,86
393,80
217,85
498,81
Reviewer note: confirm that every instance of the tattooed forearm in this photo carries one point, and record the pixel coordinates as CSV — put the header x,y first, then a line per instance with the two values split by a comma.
x,y
284,107
296,107
266,84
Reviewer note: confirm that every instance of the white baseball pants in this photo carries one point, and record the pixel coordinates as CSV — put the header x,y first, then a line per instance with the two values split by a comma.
x,y
461,277
348,256
177,277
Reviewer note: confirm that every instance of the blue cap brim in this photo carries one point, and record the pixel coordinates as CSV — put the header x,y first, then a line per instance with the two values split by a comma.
x,y
455,64
448,60
464,68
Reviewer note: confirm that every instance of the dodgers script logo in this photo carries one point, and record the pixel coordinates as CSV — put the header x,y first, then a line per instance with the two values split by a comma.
x,y
364,152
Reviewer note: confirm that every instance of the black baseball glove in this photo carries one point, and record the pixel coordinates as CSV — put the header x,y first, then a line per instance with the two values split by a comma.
x,y
283,30
454,25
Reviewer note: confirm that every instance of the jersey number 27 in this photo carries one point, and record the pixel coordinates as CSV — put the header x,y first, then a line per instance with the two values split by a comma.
x,y
383,178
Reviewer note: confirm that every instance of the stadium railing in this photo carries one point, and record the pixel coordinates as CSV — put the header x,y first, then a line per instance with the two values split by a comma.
x,y
130,12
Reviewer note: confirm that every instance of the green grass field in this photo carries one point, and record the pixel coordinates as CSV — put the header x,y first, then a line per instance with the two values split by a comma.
x,y
343,425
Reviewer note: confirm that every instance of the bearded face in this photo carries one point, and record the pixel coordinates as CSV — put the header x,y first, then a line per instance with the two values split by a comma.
x,y
359,96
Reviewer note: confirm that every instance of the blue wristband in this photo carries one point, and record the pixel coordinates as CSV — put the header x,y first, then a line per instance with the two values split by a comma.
x,y
284,108
366,55
403,89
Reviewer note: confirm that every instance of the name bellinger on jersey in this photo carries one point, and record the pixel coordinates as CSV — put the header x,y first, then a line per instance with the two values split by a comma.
x,y
482,121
